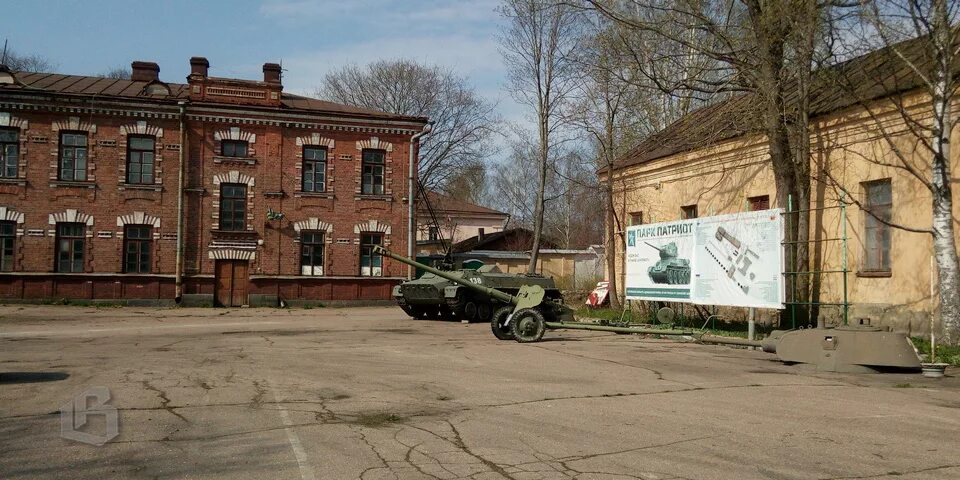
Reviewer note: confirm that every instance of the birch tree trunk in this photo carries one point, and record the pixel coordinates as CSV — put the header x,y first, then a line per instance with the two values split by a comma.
x,y
944,243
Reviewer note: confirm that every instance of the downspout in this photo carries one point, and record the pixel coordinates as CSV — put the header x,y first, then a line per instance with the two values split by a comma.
x,y
180,177
414,149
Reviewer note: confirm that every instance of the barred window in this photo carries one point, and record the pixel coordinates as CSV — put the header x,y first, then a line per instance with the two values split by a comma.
x,y
73,156
9,152
137,245
688,212
311,253
314,169
140,153
371,263
71,238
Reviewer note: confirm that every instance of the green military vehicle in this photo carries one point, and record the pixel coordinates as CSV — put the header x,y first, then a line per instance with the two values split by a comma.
x,y
432,297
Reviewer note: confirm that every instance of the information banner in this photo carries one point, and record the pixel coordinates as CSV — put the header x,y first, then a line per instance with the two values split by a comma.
x,y
731,260
659,260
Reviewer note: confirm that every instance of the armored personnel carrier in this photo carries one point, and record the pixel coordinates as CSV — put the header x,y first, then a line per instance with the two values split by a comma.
x,y
670,269
431,296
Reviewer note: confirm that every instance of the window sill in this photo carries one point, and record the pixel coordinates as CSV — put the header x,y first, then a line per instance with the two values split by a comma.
x,y
235,233
140,186
313,194
239,160
13,181
369,196
875,274
73,184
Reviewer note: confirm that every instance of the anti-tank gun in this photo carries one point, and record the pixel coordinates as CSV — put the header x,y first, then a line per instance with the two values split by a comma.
x,y
528,313
523,315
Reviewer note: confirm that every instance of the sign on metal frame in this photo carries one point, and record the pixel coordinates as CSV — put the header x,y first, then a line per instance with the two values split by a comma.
x,y
731,260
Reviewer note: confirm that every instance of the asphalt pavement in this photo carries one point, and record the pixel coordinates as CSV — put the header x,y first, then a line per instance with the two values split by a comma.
x,y
368,393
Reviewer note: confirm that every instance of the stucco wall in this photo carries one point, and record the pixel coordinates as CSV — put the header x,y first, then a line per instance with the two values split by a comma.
x,y
847,150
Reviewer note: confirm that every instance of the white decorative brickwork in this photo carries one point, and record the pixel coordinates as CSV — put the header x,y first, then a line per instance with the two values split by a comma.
x,y
234,133
8,120
312,223
372,226
72,216
141,128
231,254
374,143
9,215
138,218
74,124
316,139
233,176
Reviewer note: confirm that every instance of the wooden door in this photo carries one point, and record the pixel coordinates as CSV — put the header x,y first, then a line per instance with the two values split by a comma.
x,y
231,283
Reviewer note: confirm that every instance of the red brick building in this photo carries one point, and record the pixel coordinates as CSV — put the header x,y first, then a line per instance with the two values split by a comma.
x,y
279,197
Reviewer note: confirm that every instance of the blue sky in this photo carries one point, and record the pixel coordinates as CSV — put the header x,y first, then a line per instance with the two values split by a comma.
x,y
310,37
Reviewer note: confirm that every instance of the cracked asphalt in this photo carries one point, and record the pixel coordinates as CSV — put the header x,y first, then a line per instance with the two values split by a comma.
x,y
368,393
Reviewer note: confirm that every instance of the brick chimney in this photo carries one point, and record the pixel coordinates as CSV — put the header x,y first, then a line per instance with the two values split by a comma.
x,y
199,66
144,71
271,72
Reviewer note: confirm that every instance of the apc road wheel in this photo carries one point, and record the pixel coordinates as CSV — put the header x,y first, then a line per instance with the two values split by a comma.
x,y
470,311
484,311
496,324
528,326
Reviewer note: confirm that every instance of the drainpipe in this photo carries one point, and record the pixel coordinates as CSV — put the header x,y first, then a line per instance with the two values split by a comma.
x,y
180,176
411,240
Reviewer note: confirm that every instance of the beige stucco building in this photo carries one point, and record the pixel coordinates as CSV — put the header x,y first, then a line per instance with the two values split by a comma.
x,y
456,220
713,162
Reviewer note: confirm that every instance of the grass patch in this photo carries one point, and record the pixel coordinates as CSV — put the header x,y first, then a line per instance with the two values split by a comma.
x,y
718,328
945,353
377,420
903,385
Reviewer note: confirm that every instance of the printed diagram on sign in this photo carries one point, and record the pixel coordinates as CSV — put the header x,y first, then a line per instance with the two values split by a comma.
x,y
735,258
670,269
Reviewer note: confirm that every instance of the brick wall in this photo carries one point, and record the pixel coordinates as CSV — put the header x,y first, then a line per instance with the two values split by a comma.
x,y
273,173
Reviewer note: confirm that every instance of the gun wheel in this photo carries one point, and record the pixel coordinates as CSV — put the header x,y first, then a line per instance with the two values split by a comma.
x,y
501,331
528,326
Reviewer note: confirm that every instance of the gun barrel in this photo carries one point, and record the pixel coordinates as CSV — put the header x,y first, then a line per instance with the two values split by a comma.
x,y
488,291
654,247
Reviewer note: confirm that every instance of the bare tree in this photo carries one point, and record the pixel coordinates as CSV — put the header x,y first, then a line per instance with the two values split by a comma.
x,y
468,184
27,63
764,50
538,44
916,42
618,105
463,122
119,72
511,179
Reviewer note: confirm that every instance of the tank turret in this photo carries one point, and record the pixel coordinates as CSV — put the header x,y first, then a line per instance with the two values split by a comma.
x,y
670,269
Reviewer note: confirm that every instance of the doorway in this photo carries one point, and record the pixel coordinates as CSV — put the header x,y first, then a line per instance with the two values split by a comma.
x,y
231,283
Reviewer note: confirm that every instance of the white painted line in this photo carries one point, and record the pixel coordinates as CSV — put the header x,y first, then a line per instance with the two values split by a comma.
x,y
71,332
306,471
